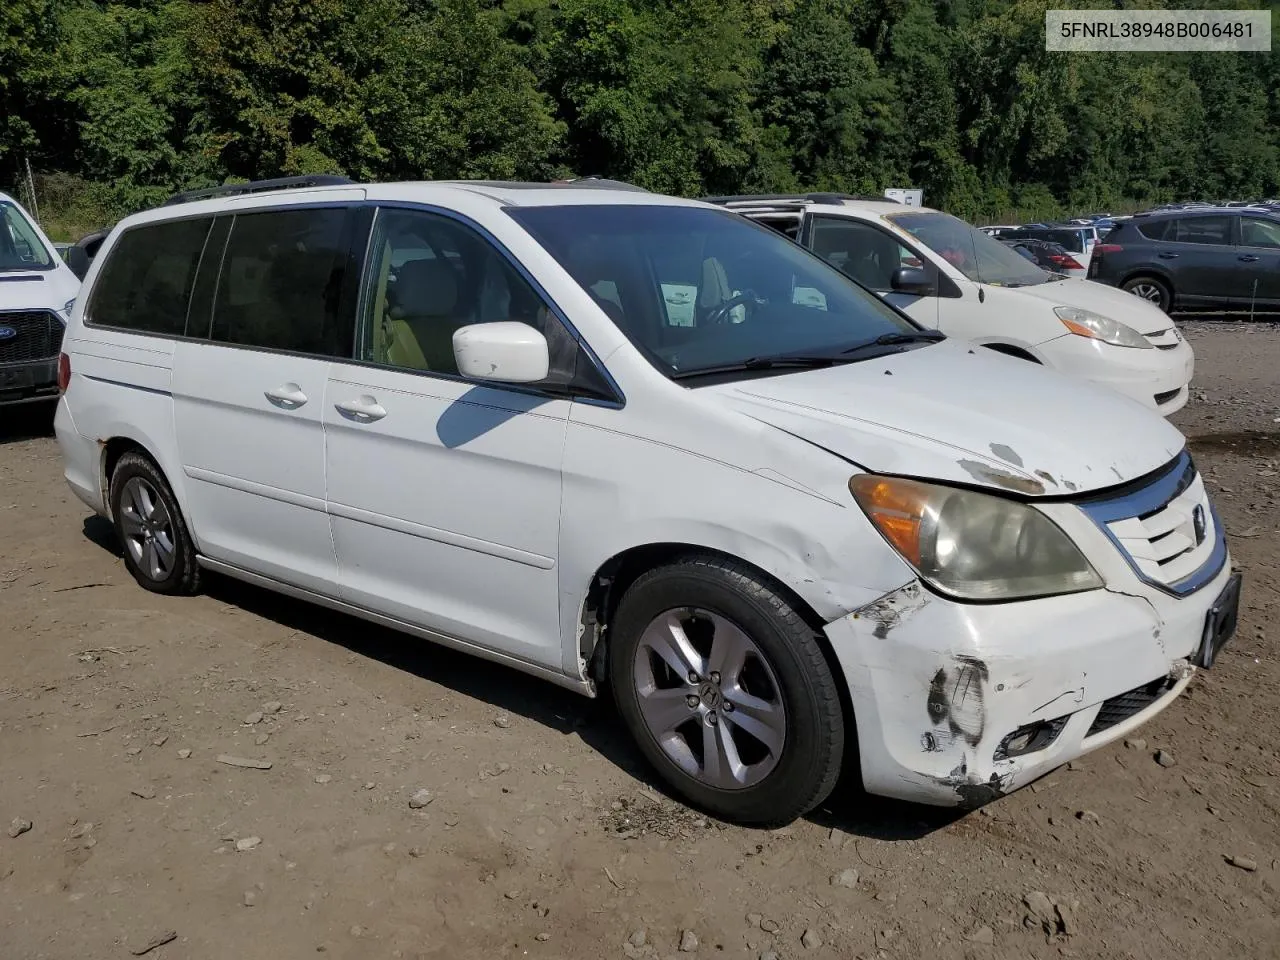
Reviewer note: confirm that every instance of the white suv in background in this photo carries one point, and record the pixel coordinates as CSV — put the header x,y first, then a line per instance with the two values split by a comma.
x,y
536,423
36,290
954,278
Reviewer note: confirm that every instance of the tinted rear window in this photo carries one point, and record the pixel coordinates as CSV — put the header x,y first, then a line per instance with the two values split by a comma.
x,y
1208,230
145,285
281,282
1153,229
1070,239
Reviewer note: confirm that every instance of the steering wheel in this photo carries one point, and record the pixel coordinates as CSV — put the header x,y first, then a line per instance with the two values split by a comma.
x,y
720,314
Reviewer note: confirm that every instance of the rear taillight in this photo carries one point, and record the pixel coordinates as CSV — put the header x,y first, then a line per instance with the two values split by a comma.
x,y
1067,263
64,372
1108,248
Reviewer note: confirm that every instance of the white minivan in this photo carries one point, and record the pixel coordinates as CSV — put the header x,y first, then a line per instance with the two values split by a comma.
x,y
791,529
954,278
36,290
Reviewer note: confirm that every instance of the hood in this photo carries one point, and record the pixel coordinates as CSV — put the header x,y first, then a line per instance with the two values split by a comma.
x,y
1109,301
955,413
37,289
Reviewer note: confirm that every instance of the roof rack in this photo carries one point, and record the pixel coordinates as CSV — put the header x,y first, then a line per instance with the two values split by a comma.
x,y
258,186
770,199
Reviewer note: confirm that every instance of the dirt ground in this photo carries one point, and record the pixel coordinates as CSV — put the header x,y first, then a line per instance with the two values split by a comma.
x,y
544,834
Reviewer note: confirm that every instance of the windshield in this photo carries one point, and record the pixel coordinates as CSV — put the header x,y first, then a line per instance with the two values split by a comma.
x,y
969,250
20,248
697,288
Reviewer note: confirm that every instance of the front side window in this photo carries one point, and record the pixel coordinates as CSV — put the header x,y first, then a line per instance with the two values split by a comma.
x,y
976,255
696,289
1256,232
1214,231
146,283
429,276
20,248
861,251
281,282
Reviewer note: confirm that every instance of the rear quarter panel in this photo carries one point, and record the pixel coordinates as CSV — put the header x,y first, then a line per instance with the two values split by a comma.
x,y
121,384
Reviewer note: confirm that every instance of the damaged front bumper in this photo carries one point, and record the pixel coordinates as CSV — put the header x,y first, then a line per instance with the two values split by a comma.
x,y
957,704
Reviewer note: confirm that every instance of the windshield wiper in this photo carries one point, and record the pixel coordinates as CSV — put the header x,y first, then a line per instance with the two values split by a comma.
x,y
792,361
895,340
814,360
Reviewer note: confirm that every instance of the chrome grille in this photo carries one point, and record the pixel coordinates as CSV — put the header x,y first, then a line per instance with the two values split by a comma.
x,y
37,335
1166,528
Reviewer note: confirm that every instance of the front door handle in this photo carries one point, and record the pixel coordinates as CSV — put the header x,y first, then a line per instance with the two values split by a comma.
x,y
1168,256
289,396
364,409
1249,258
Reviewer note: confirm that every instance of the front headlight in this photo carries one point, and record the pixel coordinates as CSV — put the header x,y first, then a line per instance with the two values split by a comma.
x,y
971,545
66,310
1086,323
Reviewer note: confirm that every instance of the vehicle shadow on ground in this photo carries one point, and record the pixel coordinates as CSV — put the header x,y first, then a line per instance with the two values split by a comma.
x,y
28,421
99,531
595,721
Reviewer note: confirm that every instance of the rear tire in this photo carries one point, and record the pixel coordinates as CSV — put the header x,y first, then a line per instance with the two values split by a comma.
x,y
727,692
1154,291
158,550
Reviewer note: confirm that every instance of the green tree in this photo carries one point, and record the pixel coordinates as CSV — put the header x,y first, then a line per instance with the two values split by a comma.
x,y
841,115
28,48
129,82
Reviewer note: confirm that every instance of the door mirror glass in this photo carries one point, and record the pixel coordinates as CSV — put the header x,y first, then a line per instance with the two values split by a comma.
x,y
914,281
506,350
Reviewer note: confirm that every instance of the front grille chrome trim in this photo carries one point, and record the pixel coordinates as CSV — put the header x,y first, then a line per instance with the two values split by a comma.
x,y
1129,513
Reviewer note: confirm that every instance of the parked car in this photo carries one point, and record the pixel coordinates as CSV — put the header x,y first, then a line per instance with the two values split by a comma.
x,y
1076,239
473,412
1221,259
36,290
974,287
1048,256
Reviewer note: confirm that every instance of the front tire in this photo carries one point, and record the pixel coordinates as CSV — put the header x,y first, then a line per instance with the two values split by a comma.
x,y
727,692
1154,291
158,550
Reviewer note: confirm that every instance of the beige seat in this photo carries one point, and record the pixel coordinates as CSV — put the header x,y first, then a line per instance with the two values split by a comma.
x,y
714,289
419,325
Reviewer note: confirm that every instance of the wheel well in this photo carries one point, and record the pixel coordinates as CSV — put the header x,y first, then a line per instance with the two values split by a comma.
x,y
1009,350
113,450
616,574
1148,275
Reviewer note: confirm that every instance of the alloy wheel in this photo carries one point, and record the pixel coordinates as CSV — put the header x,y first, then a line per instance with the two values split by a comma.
x,y
147,529
709,698
1147,291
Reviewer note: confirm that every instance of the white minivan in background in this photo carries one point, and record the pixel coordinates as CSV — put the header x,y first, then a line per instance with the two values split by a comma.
x,y
954,278
788,527
36,290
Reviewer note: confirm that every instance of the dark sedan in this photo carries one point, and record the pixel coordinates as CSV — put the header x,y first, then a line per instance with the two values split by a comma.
x,y
1048,256
1226,258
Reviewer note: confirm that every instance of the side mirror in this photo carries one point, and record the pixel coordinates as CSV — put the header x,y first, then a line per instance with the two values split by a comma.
x,y
913,280
78,260
508,351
